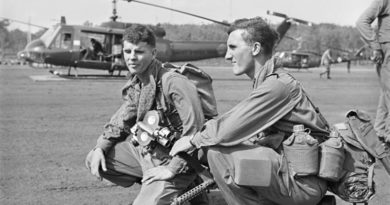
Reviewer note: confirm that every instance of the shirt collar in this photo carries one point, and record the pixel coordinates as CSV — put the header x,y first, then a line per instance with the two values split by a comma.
x,y
268,68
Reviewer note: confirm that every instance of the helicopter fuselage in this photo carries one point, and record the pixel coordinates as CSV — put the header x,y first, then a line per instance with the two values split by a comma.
x,y
69,45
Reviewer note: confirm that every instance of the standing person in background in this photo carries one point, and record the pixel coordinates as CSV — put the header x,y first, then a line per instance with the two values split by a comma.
x,y
326,60
379,41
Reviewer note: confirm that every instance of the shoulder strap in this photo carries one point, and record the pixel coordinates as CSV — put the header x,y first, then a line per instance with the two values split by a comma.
x,y
317,109
160,96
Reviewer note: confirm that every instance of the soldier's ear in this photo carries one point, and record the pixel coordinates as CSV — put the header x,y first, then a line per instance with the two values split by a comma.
x,y
256,48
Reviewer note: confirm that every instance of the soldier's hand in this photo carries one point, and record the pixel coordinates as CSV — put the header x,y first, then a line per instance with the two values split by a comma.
x,y
159,173
377,56
182,145
96,161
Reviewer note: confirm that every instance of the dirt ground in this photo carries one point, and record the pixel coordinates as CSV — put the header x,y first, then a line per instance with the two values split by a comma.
x,y
48,127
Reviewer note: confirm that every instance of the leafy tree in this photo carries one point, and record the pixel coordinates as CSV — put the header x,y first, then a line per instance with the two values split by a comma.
x,y
4,34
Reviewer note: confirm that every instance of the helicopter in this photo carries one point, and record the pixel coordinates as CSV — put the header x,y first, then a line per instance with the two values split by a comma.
x,y
69,45
305,59
299,59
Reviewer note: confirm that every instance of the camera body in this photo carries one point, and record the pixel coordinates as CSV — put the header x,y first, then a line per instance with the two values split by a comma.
x,y
150,130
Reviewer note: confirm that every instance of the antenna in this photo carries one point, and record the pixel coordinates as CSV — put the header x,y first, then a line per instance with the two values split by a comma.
x,y
114,16
29,30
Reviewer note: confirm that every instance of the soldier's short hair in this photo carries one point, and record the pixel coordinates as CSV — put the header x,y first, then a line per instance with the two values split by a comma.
x,y
257,30
139,33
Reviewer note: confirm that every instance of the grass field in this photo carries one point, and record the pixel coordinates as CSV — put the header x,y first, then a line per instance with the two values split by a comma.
x,y
48,127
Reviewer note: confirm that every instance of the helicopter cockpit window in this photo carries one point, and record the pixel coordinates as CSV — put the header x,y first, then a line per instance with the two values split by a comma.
x,y
63,41
48,36
66,41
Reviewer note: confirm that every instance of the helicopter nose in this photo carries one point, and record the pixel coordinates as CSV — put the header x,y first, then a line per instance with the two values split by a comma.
x,y
23,55
33,51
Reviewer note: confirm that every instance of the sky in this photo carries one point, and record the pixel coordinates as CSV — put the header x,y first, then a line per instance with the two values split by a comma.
x,y
48,12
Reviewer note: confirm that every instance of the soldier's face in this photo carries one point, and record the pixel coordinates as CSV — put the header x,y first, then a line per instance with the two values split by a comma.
x,y
239,52
138,56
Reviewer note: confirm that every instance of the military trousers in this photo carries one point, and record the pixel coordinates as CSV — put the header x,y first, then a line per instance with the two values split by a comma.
x,y
382,121
327,71
283,188
125,166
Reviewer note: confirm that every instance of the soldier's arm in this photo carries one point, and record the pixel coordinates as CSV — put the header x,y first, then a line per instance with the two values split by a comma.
x,y
266,105
183,94
119,126
364,22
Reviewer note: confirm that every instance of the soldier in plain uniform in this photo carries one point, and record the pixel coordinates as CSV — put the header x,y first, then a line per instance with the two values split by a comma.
x,y
258,125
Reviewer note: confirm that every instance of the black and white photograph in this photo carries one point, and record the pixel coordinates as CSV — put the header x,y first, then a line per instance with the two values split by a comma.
x,y
207,102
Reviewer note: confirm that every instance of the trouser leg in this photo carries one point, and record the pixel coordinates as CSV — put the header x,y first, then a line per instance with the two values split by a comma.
x,y
381,115
382,122
163,192
283,188
223,171
123,165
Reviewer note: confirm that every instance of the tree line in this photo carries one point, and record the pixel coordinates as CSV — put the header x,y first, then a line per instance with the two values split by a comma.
x,y
316,38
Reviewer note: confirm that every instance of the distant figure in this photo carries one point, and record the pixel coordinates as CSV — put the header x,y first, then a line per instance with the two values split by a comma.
x,y
95,51
379,41
97,47
326,60
349,66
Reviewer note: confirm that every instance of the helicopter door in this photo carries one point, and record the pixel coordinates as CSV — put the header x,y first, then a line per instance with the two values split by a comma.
x,y
93,45
94,52
116,59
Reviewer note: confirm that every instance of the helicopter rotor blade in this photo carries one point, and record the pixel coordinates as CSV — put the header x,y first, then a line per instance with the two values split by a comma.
x,y
302,21
194,15
297,20
273,13
22,22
